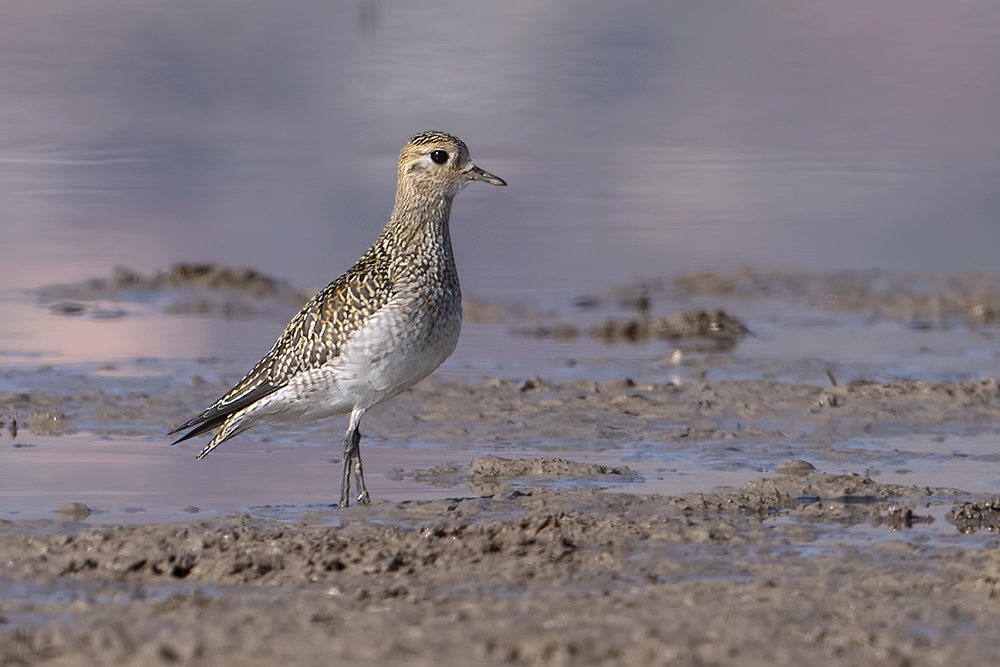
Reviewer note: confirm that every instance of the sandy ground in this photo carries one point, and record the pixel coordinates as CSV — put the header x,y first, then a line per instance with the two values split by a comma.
x,y
536,567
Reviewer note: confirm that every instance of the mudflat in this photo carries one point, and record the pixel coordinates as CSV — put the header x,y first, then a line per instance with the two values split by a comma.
x,y
747,468
555,559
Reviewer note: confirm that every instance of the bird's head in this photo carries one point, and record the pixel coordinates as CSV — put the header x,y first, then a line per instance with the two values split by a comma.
x,y
440,161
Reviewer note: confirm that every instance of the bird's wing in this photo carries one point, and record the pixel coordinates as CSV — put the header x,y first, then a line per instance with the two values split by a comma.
x,y
314,336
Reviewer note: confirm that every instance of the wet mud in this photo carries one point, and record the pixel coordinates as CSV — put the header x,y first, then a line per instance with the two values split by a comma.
x,y
919,300
540,576
523,572
717,326
571,523
599,412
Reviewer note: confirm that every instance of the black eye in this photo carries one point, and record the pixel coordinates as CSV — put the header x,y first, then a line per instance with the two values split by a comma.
x,y
439,157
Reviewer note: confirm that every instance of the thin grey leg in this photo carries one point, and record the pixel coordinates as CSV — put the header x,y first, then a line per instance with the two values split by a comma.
x,y
359,473
352,461
345,481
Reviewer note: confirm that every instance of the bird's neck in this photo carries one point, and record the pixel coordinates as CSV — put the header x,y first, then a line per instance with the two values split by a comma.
x,y
419,219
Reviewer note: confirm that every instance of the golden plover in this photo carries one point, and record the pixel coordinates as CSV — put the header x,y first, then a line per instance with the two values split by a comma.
x,y
377,330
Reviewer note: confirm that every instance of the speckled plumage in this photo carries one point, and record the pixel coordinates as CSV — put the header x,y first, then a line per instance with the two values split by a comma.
x,y
377,330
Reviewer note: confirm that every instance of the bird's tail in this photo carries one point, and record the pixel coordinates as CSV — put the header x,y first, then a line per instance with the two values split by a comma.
x,y
209,447
229,428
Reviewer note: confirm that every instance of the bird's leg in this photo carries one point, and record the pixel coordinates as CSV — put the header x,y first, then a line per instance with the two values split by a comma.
x,y
359,473
345,481
352,460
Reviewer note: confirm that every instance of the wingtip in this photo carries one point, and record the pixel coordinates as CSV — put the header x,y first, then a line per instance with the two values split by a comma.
x,y
180,439
196,429
186,425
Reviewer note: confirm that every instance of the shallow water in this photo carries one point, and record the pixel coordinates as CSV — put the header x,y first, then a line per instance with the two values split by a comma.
x,y
139,480
933,530
124,480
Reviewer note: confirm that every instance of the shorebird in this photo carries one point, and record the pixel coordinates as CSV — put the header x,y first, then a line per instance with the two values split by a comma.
x,y
375,331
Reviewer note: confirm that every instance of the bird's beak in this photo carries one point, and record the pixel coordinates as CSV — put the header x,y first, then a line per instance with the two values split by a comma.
x,y
477,174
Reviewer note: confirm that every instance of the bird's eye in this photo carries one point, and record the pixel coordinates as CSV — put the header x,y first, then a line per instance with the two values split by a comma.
x,y
439,157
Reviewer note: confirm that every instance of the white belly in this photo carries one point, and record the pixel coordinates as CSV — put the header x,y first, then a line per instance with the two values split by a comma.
x,y
391,353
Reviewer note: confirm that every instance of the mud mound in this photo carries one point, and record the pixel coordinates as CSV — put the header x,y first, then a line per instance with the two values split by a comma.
x,y
972,516
495,466
187,288
921,302
717,326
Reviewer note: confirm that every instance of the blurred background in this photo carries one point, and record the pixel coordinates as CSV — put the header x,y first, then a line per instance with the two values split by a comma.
x,y
639,139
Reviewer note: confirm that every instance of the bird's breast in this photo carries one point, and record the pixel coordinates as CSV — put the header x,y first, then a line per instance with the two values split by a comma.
x,y
398,346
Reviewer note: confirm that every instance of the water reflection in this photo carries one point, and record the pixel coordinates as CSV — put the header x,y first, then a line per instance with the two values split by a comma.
x,y
640,138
